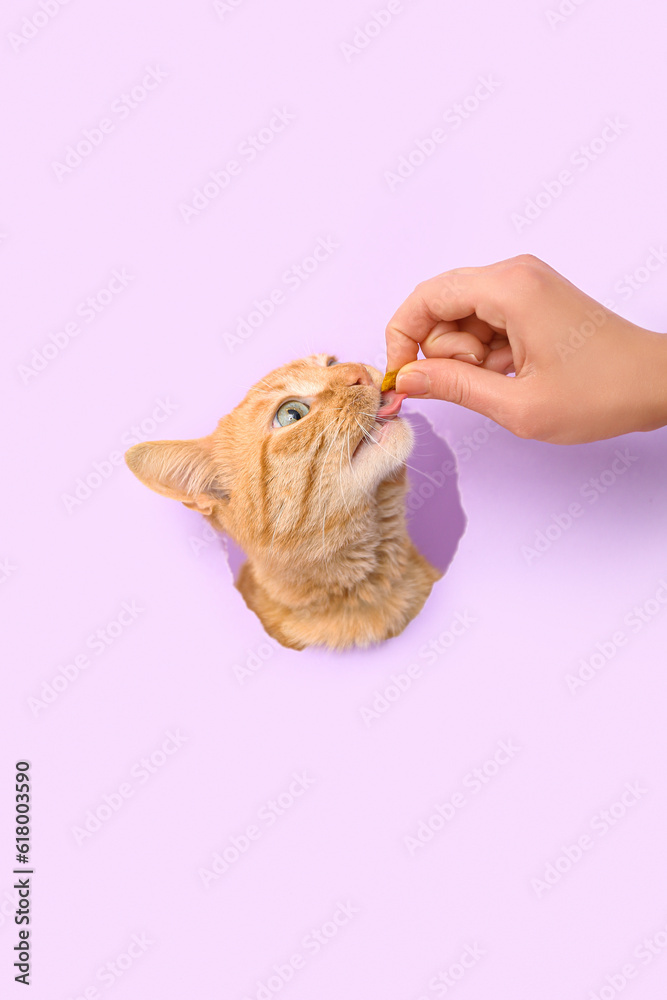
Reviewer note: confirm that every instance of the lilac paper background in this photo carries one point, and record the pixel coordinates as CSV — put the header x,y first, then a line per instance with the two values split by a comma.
x,y
175,667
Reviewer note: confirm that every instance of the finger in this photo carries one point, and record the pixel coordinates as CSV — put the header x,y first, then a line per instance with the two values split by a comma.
x,y
454,295
445,344
476,388
499,360
477,326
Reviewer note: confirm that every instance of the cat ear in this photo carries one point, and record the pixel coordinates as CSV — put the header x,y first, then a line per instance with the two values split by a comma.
x,y
181,470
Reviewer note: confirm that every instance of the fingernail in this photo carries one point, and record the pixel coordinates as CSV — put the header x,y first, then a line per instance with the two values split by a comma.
x,y
412,383
472,359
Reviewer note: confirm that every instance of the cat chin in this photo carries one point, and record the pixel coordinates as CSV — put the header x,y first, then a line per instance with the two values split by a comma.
x,y
375,460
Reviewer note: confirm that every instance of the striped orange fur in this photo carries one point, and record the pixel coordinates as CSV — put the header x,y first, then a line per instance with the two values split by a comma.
x,y
318,505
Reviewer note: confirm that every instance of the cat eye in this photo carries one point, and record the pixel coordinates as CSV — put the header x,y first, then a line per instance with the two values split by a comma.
x,y
331,362
290,412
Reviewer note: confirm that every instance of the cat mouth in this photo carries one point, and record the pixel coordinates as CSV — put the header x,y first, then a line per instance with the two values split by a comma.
x,y
390,404
388,409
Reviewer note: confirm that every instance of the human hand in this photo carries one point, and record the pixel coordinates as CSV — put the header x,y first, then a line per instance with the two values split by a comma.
x,y
583,373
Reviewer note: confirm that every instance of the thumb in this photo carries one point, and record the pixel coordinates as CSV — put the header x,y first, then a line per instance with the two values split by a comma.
x,y
479,389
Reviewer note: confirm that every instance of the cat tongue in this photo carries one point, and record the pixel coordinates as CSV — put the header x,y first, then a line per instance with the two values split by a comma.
x,y
391,402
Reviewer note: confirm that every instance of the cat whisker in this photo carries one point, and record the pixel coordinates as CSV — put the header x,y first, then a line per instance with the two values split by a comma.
x,y
324,460
366,434
273,536
323,432
340,481
324,547
263,381
324,463
407,464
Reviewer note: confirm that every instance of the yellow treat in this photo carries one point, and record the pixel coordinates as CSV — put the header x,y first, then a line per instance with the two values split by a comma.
x,y
389,381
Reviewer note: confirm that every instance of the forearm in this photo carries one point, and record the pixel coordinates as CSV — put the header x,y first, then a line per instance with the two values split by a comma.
x,y
656,381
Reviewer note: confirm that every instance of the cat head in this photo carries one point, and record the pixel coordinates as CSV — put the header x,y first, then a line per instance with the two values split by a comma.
x,y
301,457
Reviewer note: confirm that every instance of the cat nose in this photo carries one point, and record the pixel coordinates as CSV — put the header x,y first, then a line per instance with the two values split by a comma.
x,y
359,375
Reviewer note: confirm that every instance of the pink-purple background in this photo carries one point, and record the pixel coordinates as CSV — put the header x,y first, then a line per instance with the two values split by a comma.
x,y
176,666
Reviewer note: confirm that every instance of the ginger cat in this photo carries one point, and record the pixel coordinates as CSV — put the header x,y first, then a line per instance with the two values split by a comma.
x,y
307,475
